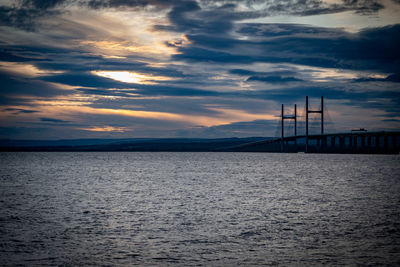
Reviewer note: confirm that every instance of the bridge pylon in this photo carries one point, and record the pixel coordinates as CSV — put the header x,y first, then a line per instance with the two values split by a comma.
x,y
321,111
288,117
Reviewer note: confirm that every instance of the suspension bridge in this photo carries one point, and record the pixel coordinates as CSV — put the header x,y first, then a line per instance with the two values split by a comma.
x,y
358,141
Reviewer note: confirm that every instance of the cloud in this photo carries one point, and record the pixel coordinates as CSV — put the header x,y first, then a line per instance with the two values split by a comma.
x,y
10,57
27,12
106,129
53,120
335,49
273,79
237,129
218,17
20,110
128,3
103,86
85,79
395,78
188,16
268,77
20,86
40,4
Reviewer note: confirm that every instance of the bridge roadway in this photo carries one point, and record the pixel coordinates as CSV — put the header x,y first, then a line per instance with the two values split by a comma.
x,y
353,142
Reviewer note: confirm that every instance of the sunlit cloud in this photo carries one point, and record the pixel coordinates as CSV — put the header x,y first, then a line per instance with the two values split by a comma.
x,y
68,110
118,35
319,74
106,129
131,77
121,49
233,115
327,75
25,69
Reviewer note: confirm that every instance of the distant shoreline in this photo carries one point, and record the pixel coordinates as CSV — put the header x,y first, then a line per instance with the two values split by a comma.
x,y
119,145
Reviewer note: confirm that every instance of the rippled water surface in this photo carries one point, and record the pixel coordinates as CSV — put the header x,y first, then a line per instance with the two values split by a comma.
x,y
218,209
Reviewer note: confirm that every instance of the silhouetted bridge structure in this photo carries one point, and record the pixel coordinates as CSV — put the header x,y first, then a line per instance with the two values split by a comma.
x,y
368,143
357,141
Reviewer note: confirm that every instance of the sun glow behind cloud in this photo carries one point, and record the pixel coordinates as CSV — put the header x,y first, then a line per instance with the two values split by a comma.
x,y
71,110
117,35
131,77
106,129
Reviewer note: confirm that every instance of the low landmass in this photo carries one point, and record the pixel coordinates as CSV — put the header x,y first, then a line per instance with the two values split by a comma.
x,y
137,144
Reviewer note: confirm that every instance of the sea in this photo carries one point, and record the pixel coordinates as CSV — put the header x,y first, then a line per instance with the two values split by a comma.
x,y
199,209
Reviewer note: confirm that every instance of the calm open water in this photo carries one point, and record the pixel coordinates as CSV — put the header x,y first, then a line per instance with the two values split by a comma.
x,y
213,209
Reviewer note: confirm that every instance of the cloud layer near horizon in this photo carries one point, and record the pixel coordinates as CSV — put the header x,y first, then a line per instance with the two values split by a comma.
x,y
80,69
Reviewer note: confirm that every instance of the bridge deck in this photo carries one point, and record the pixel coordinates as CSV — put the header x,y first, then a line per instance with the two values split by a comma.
x,y
353,142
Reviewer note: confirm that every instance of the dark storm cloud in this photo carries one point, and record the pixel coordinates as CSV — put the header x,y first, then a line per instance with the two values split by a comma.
x,y
163,90
299,44
391,120
331,50
197,54
102,92
15,85
19,110
52,120
268,77
281,30
25,13
388,101
218,17
41,4
273,79
128,3
363,7
188,16
10,57
244,72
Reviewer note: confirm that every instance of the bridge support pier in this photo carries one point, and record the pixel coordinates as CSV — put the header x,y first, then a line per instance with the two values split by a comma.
x,y
355,144
342,142
369,142
377,143
385,142
363,142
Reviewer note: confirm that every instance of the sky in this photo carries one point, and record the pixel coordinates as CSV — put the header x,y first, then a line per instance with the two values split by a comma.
x,y
74,69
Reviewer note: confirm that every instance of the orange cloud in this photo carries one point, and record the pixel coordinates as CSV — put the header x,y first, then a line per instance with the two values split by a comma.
x,y
69,110
106,129
24,69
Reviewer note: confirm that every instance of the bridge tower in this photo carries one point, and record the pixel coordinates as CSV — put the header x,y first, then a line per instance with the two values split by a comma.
x,y
308,111
289,117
